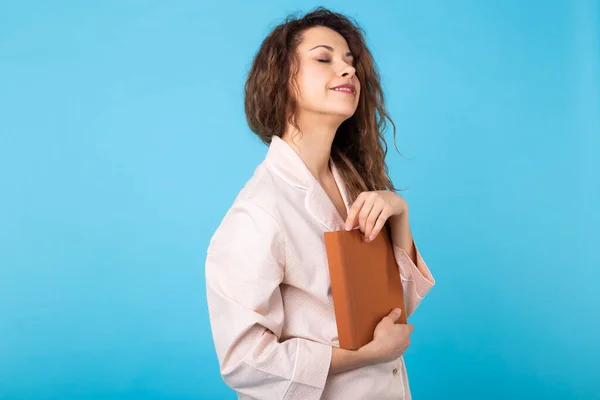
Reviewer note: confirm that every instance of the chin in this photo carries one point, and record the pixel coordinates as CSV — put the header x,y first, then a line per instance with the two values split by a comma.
x,y
344,112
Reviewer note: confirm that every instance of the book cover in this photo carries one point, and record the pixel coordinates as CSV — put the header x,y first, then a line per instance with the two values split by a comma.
x,y
365,284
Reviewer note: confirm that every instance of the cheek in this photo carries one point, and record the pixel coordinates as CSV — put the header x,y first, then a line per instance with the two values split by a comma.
x,y
313,82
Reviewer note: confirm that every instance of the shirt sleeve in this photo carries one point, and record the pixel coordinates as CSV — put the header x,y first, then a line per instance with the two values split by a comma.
x,y
416,278
244,269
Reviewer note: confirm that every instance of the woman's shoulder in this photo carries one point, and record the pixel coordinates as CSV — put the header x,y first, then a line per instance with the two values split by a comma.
x,y
262,191
253,216
258,200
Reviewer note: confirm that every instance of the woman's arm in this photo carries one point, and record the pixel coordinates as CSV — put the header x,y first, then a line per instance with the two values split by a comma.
x,y
345,360
374,210
390,341
244,269
402,236
416,278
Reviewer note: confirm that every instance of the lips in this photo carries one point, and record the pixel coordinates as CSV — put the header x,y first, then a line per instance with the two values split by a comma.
x,y
345,88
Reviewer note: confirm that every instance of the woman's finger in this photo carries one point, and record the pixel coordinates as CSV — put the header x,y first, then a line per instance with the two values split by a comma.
x,y
376,211
379,225
354,210
364,212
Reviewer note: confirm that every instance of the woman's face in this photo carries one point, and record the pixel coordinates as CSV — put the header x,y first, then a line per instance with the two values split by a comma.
x,y
325,63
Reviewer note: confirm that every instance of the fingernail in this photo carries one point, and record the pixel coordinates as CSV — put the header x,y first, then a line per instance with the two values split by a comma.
x,y
371,237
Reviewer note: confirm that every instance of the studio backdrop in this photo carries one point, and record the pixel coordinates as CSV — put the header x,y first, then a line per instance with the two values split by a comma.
x,y
123,141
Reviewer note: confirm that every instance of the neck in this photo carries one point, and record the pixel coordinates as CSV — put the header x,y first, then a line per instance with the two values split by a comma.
x,y
313,145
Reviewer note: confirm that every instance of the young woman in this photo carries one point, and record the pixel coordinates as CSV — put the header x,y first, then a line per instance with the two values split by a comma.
x,y
313,95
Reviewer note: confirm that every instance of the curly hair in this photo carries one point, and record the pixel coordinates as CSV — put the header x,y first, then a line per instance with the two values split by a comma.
x,y
359,147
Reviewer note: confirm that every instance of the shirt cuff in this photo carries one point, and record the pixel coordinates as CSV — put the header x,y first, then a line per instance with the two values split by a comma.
x,y
311,370
418,273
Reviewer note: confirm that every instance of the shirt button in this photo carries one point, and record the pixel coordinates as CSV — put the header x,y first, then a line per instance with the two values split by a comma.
x,y
395,371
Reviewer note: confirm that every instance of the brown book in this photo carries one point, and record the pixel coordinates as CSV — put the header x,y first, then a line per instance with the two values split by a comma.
x,y
365,284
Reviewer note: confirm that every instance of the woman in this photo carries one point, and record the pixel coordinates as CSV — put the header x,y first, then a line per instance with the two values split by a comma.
x,y
313,95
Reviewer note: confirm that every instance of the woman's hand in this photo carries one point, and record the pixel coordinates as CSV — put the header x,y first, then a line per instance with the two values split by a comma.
x,y
372,209
390,340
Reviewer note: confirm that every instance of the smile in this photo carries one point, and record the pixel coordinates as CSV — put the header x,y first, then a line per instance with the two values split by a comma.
x,y
344,90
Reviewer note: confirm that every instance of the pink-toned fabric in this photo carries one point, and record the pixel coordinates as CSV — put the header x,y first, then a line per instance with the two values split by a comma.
x,y
269,294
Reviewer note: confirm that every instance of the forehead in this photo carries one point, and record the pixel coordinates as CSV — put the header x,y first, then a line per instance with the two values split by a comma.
x,y
318,35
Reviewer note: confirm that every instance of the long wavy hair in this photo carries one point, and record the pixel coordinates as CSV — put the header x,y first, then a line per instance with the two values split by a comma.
x,y
359,147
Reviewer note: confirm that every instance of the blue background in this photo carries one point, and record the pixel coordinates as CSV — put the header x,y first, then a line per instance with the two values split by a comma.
x,y
123,142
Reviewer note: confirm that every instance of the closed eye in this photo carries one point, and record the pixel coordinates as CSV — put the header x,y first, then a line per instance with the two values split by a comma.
x,y
323,61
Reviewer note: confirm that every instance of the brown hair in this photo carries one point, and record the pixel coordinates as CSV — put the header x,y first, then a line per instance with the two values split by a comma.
x,y
359,147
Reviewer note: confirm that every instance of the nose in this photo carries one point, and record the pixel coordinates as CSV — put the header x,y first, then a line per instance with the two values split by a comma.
x,y
347,71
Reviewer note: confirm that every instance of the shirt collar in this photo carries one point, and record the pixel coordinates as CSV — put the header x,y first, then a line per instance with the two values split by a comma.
x,y
292,169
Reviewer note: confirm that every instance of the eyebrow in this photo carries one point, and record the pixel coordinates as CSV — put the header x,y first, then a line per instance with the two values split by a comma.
x,y
349,54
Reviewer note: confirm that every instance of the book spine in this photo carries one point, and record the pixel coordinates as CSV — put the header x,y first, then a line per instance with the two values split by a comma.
x,y
340,293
